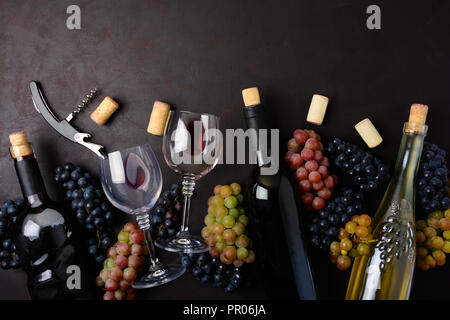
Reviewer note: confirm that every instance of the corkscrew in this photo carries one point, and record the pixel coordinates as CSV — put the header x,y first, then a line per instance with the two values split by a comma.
x,y
63,127
82,105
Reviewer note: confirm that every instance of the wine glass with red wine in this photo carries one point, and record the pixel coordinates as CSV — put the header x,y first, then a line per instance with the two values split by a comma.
x,y
192,145
132,182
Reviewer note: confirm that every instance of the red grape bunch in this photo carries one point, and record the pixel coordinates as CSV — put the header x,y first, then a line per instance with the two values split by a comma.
x,y
125,260
305,157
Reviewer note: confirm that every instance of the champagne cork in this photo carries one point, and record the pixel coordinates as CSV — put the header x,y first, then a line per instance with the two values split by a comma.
x,y
417,118
158,118
104,111
368,133
251,97
20,146
317,109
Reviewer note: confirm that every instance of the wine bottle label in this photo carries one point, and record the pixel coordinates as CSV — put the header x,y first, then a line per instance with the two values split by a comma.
x,y
262,193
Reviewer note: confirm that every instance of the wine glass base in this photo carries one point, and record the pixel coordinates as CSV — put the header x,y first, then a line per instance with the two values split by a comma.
x,y
185,244
158,277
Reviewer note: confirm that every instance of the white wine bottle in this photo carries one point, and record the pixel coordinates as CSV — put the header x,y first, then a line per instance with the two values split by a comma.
x,y
386,272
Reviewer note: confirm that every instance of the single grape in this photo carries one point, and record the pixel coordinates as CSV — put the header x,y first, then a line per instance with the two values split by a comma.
x,y
346,244
343,262
361,231
228,221
226,191
363,249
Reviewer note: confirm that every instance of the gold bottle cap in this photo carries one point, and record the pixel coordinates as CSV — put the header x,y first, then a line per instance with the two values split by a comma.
x,y
18,138
158,118
417,118
20,146
251,97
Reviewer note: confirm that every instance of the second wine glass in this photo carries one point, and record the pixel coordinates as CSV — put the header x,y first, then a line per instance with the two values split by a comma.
x,y
132,181
192,146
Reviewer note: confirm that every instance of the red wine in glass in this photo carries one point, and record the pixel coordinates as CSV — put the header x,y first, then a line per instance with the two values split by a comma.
x,y
137,174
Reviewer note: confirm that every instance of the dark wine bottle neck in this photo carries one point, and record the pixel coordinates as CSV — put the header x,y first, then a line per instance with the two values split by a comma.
x,y
31,181
255,118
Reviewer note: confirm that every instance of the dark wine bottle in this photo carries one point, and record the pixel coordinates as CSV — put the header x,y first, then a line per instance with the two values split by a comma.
x,y
46,243
283,259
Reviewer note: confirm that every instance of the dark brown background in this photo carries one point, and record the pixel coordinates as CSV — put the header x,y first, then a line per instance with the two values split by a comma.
x,y
198,55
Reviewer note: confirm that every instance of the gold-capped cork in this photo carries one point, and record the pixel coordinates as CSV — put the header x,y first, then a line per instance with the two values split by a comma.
x,y
368,133
104,111
18,138
158,118
317,109
251,97
417,117
20,147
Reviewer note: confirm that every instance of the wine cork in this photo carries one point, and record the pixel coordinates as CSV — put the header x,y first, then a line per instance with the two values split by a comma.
x,y
317,109
418,113
104,111
368,133
158,118
20,146
417,118
251,97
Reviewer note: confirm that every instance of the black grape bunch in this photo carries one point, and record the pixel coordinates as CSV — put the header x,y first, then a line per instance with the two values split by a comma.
x,y
10,212
166,219
324,225
206,269
367,172
432,183
90,206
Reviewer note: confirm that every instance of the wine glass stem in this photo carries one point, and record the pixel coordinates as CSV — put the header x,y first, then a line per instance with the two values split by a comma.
x,y
188,190
144,223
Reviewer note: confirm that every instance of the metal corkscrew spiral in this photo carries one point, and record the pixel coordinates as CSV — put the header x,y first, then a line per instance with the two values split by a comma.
x,y
85,101
83,104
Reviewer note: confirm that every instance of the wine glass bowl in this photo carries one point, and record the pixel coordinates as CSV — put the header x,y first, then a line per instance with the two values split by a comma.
x,y
184,147
132,179
132,182
192,145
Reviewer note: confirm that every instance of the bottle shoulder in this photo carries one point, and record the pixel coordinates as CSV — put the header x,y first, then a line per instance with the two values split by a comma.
x,y
45,217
